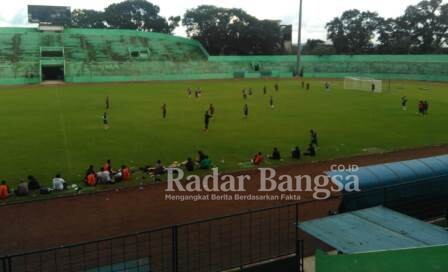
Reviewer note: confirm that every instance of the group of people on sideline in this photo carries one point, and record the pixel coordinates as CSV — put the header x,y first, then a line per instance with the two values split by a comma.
x,y
25,188
108,175
105,175
296,153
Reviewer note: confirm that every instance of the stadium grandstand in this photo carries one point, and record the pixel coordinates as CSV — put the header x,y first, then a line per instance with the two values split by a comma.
x,y
54,51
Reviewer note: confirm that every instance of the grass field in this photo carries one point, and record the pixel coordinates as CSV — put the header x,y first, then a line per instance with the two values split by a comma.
x,y
58,129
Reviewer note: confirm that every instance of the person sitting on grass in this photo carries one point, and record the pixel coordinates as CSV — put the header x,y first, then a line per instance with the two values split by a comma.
x,y
126,173
59,183
275,155
258,159
189,165
205,164
103,176
22,189
108,166
33,184
296,154
89,170
200,156
159,169
4,190
91,179
313,135
311,151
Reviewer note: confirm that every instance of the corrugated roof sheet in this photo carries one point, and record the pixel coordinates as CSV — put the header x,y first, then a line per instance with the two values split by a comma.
x,y
397,172
374,229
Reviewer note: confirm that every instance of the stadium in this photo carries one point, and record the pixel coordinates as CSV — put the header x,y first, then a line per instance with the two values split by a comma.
x,y
128,106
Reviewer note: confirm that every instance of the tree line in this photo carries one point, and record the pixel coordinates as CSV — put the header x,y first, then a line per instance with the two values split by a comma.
x,y
423,28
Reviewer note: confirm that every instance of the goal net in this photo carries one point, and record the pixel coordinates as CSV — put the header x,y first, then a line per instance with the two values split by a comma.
x,y
363,84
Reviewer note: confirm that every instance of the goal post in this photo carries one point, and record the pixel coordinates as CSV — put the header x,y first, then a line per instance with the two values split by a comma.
x,y
363,84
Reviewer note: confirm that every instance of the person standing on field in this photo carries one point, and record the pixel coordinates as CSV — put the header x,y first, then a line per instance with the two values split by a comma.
x,y
164,110
207,117
404,103
264,90
271,102
276,87
106,120
245,111
211,110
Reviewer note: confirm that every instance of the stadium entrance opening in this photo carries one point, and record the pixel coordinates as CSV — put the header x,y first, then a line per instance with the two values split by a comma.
x,y
53,73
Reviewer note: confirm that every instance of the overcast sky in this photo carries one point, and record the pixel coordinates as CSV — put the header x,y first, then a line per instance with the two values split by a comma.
x,y
316,12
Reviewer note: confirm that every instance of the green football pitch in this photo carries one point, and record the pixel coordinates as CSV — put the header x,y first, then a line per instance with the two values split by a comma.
x,y
58,129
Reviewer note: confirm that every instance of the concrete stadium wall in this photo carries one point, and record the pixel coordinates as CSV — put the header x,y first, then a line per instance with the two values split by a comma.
x,y
402,67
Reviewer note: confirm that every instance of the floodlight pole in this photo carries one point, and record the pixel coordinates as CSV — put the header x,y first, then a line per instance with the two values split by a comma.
x,y
299,50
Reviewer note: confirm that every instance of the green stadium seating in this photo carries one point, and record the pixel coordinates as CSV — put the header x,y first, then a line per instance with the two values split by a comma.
x,y
105,55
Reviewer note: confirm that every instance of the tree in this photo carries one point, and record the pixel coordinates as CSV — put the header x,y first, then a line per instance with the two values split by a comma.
x,y
422,29
317,47
136,14
232,31
427,25
394,37
352,33
131,14
87,18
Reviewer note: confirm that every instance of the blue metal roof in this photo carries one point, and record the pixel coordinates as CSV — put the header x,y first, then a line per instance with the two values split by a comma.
x,y
390,174
374,229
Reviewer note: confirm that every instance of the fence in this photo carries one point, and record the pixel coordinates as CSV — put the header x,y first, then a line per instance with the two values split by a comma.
x,y
230,242
216,244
